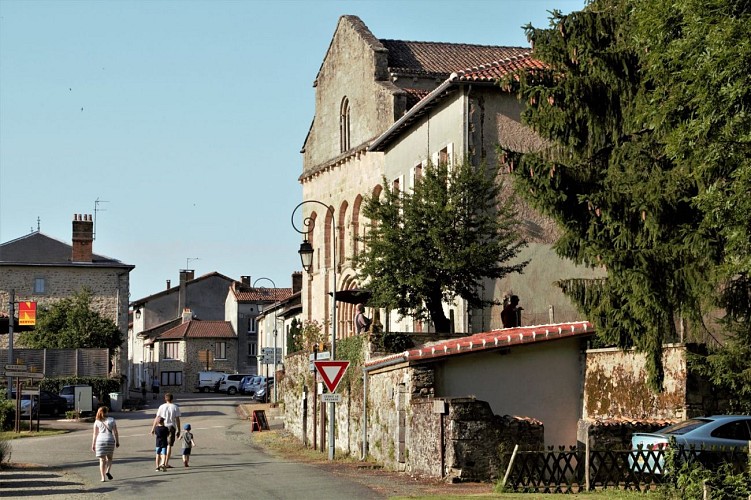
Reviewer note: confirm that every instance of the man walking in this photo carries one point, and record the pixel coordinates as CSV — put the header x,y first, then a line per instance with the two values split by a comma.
x,y
170,412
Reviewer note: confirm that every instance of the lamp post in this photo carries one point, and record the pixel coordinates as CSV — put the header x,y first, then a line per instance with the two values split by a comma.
x,y
306,256
267,380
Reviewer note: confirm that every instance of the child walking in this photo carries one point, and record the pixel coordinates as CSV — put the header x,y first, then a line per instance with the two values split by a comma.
x,y
188,444
162,433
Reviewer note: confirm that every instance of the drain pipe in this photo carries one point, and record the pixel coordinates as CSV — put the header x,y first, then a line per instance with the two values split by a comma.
x,y
365,370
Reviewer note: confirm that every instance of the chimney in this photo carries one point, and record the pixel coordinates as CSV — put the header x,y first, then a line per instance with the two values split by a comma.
x,y
296,281
83,238
187,314
185,276
169,284
245,280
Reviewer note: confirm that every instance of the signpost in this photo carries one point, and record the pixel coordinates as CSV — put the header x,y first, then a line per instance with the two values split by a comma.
x,y
331,372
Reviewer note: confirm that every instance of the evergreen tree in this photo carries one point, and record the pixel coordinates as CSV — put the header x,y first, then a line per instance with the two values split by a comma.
x,y
427,246
629,91
71,323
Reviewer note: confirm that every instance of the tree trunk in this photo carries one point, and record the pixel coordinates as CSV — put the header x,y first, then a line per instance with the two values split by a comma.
x,y
435,308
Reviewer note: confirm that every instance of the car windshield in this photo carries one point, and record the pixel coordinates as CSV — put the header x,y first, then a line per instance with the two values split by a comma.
x,y
683,427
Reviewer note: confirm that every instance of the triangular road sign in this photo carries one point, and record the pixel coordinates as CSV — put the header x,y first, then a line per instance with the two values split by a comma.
x,y
331,372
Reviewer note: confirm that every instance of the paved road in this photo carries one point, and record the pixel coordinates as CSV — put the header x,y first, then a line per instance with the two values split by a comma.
x,y
225,463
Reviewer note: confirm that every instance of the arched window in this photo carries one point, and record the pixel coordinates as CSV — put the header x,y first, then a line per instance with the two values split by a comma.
x,y
344,144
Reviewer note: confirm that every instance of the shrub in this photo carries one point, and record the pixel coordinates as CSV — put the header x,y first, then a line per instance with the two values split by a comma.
x,y
5,451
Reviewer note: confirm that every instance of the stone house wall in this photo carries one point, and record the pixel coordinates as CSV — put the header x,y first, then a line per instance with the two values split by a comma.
x,y
189,362
109,289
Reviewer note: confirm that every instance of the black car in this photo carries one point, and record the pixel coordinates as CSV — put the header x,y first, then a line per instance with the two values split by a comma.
x,y
52,404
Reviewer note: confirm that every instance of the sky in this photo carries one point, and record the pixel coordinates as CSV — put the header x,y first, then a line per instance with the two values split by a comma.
x,y
178,124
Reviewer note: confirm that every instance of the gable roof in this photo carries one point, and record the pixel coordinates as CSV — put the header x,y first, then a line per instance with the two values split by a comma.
x,y
244,293
176,289
438,59
197,329
37,249
487,341
487,73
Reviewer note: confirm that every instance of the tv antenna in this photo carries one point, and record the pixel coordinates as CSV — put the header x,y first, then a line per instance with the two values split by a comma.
x,y
188,260
97,209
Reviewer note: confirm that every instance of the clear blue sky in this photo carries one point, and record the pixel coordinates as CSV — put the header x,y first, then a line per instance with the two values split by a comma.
x,y
186,119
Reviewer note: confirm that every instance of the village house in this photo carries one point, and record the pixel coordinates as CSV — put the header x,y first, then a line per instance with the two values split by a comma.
x,y
39,268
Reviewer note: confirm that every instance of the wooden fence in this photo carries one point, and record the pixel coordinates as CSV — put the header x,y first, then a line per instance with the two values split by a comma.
x,y
62,362
573,470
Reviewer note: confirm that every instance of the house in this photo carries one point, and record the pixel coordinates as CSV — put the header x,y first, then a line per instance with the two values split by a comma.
x,y
193,346
244,305
40,268
384,108
155,314
274,325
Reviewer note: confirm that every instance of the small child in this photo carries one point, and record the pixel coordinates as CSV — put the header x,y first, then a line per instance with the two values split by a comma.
x,y
188,444
162,433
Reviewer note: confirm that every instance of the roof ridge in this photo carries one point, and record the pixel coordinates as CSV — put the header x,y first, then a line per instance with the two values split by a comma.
x,y
456,44
494,64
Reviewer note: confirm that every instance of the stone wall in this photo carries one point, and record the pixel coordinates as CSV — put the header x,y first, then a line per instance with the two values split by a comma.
x,y
615,386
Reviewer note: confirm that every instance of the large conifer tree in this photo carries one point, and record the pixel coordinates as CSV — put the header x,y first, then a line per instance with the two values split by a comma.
x,y
642,121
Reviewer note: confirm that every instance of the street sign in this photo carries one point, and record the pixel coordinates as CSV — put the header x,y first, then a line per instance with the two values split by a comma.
x,y
24,374
30,392
331,372
318,356
331,397
16,368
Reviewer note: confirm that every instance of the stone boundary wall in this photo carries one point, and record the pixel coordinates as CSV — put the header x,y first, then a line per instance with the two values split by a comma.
x,y
614,435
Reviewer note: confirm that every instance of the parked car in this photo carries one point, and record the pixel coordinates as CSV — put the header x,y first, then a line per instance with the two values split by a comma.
x,y
265,386
726,431
208,381
230,383
246,385
26,404
52,404
69,393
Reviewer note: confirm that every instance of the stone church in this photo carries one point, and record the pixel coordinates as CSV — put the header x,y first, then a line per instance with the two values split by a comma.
x,y
386,108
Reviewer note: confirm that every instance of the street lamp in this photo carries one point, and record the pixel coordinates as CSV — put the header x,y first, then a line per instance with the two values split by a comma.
x,y
306,257
275,320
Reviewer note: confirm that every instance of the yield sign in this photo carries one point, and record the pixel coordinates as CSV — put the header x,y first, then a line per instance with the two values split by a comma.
x,y
331,372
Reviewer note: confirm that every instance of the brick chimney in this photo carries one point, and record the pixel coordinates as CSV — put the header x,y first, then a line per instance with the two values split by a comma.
x,y
182,294
245,280
296,281
83,238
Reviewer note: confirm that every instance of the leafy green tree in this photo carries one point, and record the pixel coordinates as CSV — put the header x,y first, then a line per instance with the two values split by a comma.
x,y
645,105
427,246
295,337
71,323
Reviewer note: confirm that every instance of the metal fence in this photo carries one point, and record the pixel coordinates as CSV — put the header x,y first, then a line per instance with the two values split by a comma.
x,y
61,362
573,470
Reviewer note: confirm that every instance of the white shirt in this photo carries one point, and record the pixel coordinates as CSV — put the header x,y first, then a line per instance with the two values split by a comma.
x,y
169,412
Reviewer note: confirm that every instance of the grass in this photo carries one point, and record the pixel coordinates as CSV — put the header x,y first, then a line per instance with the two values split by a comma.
x,y
25,433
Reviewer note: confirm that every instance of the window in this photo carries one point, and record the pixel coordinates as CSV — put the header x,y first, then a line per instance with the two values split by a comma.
x,y
252,349
172,378
171,350
39,285
252,325
220,351
344,144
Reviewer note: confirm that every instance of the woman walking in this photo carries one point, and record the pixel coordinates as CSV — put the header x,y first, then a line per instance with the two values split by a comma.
x,y
104,441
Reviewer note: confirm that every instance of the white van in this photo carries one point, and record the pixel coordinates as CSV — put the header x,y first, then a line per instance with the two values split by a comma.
x,y
208,381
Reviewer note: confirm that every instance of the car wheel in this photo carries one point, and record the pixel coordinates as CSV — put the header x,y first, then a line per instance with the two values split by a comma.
x,y
231,391
55,411
203,389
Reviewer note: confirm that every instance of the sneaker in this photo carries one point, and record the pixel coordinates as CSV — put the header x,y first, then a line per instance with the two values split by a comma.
x,y
109,476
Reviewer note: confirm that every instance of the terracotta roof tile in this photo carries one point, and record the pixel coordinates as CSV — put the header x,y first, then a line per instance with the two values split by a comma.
x,y
261,294
442,59
494,339
493,71
199,329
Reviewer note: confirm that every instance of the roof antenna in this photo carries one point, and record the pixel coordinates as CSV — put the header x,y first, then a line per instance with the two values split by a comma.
x,y
39,220
187,261
97,209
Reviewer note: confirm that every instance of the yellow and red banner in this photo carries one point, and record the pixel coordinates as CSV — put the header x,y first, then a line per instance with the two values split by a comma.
x,y
27,313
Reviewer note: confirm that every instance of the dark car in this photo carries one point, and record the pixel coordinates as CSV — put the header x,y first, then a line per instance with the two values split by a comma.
x,y
52,404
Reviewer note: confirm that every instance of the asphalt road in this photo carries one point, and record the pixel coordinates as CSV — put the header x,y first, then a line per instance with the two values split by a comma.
x,y
224,464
